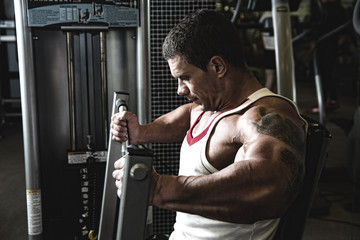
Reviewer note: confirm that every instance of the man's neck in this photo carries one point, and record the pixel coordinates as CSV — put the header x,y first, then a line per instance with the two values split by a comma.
x,y
239,86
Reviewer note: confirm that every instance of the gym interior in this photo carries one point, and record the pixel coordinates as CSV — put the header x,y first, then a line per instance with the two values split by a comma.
x,y
65,64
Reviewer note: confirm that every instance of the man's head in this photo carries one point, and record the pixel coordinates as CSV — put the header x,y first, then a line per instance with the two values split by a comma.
x,y
202,35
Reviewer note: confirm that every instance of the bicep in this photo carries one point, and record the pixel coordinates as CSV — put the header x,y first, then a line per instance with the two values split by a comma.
x,y
279,145
266,135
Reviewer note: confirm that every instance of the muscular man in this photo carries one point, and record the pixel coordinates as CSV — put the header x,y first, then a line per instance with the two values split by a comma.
x,y
242,156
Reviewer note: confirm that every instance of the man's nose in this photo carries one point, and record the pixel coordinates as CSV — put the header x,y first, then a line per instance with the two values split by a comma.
x,y
182,88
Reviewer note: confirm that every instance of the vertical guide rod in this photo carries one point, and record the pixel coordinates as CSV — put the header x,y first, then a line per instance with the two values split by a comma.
x,y
283,49
104,85
143,63
29,121
143,79
71,88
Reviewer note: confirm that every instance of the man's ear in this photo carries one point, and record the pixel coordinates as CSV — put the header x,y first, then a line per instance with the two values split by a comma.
x,y
219,65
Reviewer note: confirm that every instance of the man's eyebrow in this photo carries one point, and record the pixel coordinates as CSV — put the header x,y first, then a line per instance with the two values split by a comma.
x,y
182,76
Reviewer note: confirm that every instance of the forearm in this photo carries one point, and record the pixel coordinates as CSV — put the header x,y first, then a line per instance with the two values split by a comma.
x,y
233,194
171,127
161,132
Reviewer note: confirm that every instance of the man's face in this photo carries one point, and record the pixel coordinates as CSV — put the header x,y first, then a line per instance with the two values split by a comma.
x,y
195,84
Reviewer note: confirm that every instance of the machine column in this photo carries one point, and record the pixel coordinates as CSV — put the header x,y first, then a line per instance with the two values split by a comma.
x,y
283,49
29,119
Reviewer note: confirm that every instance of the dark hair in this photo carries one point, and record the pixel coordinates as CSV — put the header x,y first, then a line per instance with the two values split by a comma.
x,y
202,35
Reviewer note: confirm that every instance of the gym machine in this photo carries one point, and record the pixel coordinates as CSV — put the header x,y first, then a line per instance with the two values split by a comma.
x,y
73,55
130,223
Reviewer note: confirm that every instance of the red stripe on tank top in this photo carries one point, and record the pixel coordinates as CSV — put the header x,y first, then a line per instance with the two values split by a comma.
x,y
192,140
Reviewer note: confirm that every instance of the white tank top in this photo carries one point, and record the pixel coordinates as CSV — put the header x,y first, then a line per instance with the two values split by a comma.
x,y
193,162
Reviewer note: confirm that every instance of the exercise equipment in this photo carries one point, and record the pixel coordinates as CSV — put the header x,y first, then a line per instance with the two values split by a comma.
x,y
292,224
72,56
130,222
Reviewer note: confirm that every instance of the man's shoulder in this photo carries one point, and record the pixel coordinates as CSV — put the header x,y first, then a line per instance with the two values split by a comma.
x,y
262,107
273,108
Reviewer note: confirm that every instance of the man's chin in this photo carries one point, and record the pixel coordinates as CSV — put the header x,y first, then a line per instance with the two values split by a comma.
x,y
203,108
200,104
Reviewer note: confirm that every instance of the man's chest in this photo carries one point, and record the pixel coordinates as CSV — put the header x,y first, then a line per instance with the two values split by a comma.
x,y
223,138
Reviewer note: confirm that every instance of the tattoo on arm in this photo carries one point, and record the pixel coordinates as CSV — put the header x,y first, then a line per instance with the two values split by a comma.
x,y
286,131
283,129
296,168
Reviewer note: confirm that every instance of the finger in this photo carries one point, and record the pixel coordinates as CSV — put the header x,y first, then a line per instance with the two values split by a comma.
x,y
119,119
121,127
118,131
120,136
118,184
119,193
118,175
119,139
119,164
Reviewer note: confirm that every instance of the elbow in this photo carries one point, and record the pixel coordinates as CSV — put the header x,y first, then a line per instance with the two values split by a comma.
x,y
249,213
270,204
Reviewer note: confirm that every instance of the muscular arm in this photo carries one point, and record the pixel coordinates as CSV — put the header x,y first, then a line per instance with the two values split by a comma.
x,y
170,127
260,184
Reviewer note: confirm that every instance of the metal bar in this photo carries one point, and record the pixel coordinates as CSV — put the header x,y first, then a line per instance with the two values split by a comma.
x,y
12,114
90,89
7,38
319,89
143,63
135,195
108,215
320,99
283,49
29,120
104,85
144,78
11,100
90,28
71,88
84,121
7,24
135,190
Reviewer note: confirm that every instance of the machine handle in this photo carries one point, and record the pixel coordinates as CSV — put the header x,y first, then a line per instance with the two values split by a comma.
x,y
122,107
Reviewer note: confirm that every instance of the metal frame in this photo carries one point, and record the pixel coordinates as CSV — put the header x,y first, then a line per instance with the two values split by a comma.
x,y
283,49
29,119
110,199
143,62
130,222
